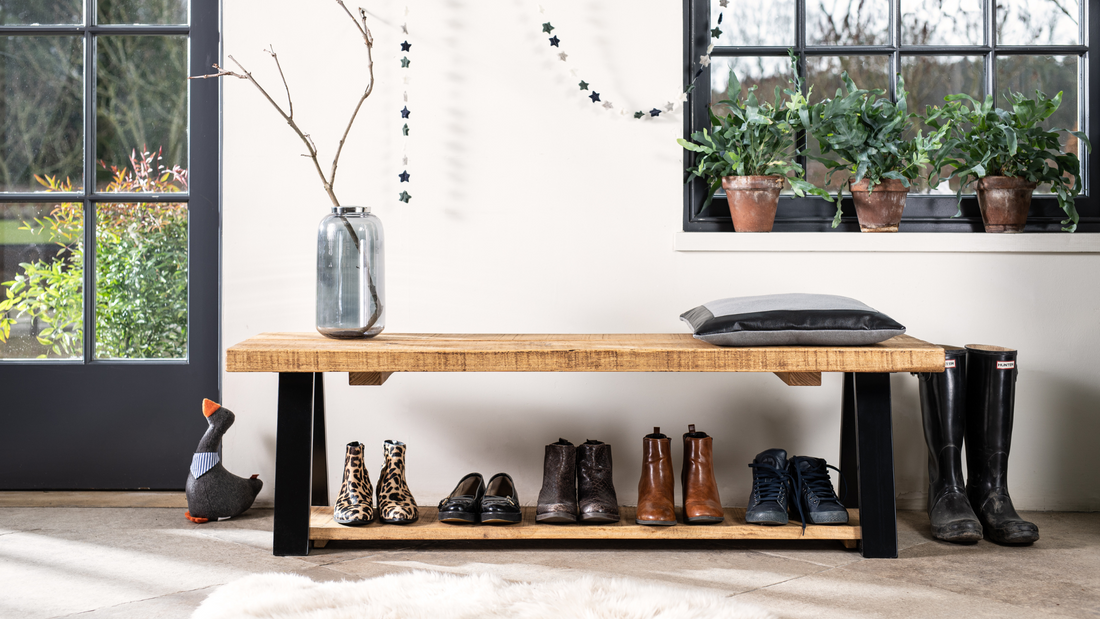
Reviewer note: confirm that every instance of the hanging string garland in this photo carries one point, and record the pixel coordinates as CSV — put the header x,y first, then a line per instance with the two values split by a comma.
x,y
704,61
406,48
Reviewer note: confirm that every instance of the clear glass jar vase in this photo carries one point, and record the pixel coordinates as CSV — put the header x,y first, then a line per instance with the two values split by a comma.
x,y
351,297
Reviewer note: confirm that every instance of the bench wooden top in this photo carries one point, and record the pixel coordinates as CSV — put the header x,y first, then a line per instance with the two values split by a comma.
x,y
649,352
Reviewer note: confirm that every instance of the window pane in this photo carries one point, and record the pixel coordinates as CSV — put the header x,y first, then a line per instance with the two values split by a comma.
x,y
41,112
141,281
928,79
942,22
823,77
1038,22
754,23
1050,74
46,12
848,22
42,275
141,91
142,11
766,73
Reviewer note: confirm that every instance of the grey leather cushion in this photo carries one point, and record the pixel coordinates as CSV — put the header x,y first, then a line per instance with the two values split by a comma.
x,y
790,320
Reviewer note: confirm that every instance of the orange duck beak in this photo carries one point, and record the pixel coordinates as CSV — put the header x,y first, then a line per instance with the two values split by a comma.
x,y
209,407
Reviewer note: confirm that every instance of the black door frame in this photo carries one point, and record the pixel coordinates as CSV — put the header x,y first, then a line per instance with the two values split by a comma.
x,y
127,424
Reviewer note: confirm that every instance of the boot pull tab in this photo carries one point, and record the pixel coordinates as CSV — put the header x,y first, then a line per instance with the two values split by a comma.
x,y
656,429
691,427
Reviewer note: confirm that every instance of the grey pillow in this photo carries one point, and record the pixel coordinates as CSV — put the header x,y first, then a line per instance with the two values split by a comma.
x,y
790,320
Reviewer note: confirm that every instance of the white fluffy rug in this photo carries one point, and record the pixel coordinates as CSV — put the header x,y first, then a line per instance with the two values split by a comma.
x,y
431,595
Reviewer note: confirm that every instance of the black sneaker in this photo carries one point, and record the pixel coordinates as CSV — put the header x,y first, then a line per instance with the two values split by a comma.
x,y
770,482
813,490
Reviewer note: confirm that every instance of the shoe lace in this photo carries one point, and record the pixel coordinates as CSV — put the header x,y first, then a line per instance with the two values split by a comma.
x,y
816,481
772,484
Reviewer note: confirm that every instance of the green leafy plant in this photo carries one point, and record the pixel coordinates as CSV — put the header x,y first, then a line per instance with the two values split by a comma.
x,y
754,139
865,133
141,270
984,140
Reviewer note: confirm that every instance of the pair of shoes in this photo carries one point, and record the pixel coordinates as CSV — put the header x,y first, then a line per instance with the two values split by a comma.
x,y
354,505
778,484
656,486
577,484
972,403
472,501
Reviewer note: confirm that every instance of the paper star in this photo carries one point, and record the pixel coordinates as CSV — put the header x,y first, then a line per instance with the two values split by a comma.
x,y
563,56
405,28
541,10
583,85
710,48
573,72
669,106
595,96
720,16
683,97
404,63
607,105
724,3
554,40
405,112
404,176
405,130
639,114
404,161
704,61
547,27
406,46
404,197
405,79
654,112
717,32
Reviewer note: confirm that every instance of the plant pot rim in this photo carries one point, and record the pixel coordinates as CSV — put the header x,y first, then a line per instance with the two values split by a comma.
x,y
887,184
774,181
1005,182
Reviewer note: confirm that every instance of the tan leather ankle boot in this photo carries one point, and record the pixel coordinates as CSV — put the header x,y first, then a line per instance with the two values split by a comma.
x,y
656,488
701,502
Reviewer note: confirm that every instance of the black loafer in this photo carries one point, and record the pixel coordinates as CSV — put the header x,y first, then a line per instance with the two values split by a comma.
x,y
464,504
501,503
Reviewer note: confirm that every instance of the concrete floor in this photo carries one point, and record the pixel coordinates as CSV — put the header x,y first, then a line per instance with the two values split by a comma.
x,y
141,562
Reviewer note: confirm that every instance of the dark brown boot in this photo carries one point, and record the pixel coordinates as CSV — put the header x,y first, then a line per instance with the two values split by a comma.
x,y
558,497
656,488
701,502
595,490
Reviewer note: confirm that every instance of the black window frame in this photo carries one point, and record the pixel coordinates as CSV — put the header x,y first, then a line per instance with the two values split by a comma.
x,y
923,212
126,423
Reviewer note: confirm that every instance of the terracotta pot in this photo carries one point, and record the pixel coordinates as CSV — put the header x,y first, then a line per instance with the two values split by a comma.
x,y
879,210
1004,201
752,200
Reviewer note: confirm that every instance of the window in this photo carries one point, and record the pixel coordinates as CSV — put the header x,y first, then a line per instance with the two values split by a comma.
x,y
939,47
109,220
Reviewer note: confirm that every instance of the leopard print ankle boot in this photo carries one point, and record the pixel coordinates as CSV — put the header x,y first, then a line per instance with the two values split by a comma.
x,y
354,506
396,504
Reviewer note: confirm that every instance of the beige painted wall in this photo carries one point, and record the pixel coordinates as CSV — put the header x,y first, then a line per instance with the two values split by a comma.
x,y
535,211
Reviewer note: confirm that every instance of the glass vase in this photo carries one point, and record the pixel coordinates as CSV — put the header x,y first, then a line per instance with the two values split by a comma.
x,y
351,297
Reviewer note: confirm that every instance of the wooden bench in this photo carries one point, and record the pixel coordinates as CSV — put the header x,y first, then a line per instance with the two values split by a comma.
x,y
301,475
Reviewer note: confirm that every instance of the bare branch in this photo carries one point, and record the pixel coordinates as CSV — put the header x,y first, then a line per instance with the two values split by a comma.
x,y
221,73
368,40
271,50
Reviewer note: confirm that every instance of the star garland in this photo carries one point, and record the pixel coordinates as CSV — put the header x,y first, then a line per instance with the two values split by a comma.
x,y
704,61
406,48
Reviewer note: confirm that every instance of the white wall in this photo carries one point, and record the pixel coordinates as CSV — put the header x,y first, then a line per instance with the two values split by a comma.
x,y
534,211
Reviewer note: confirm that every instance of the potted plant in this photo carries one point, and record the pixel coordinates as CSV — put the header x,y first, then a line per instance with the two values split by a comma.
x,y
1007,154
750,152
866,134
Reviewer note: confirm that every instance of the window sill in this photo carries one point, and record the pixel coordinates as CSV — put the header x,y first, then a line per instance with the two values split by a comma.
x,y
1064,243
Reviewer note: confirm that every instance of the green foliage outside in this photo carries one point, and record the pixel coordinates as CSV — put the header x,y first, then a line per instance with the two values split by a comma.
x,y
983,140
866,134
141,271
754,139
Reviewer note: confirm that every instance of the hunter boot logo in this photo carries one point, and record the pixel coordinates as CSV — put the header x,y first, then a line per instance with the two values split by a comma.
x,y
948,364
1006,365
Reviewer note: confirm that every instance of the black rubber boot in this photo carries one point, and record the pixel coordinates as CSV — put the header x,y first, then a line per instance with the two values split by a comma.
x,y
990,396
943,407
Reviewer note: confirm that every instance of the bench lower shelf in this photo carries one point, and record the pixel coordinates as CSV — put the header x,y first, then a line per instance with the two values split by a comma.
x,y
322,529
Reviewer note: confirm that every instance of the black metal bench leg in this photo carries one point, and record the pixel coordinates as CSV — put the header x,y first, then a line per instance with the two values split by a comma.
x,y
320,451
875,465
293,464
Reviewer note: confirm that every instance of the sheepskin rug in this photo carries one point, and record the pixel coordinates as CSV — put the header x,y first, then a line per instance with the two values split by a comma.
x,y
432,595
